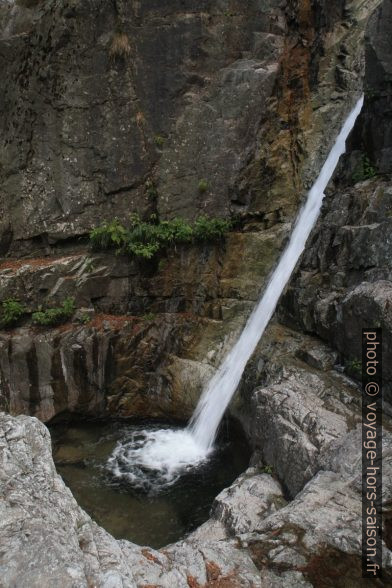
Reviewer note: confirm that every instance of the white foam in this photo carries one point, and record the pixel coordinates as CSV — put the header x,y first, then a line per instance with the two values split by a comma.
x,y
156,457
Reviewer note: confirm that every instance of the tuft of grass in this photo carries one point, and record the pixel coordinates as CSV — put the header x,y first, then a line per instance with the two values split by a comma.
x,y
55,316
203,186
145,239
11,311
120,47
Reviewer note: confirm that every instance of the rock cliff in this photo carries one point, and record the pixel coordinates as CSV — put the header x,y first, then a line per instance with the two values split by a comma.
x,y
344,282
227,108
114,107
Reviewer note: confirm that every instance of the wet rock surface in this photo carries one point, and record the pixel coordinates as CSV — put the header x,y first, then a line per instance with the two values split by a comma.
x,y
344,281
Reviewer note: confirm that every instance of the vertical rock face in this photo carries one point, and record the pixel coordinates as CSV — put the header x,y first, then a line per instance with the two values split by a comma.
x,y
345,279
104,99
116,365
373,134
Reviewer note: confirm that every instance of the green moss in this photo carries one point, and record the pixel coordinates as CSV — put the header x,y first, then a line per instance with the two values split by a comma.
x,y
145,239
55,316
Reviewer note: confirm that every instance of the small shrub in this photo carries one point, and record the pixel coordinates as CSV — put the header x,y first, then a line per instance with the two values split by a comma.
x,y
144,250
203,186
55,316
120,46
364,170
174,231
11,311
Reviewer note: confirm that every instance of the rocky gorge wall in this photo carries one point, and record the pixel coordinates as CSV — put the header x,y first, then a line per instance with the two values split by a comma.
x,y
247,97
344,281
145,337
228,92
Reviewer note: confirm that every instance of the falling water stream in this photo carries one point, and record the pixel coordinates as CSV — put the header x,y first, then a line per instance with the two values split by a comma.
x,y
166,454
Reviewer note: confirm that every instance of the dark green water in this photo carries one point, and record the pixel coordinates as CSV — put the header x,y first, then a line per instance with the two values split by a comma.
x,y
157,518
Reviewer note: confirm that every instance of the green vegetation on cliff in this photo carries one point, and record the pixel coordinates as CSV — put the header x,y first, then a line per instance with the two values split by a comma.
x,y
364,170
145,239
55,316
11,311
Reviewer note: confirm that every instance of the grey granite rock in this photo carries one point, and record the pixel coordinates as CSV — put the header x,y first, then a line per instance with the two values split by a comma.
x,y
324,518
251,498
46,539
344,280
295,420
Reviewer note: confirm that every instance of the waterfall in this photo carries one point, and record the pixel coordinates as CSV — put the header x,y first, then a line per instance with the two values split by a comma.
x,y
220,389
170,452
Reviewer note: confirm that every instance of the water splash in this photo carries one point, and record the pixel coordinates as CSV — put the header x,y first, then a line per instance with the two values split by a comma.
x,y
151,459
170,453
